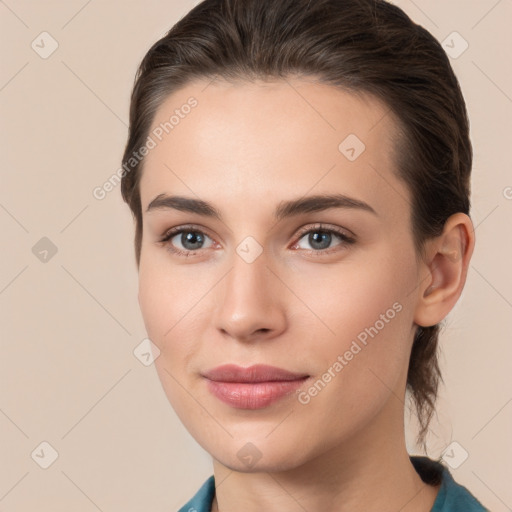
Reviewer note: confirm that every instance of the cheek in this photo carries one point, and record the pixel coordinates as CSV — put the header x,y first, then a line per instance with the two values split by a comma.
x,y
172,302
164,301
364,334
167,297
153,302
347,298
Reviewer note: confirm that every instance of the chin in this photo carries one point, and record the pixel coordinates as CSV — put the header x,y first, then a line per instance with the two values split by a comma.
x,y
256,454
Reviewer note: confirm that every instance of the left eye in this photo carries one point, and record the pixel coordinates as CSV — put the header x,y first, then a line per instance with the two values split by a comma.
x,y
321,239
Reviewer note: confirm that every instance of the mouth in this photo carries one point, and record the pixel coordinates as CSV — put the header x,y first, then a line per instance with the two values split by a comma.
x,y
255,387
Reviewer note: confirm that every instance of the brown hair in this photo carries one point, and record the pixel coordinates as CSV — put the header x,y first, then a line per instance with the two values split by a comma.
x,y
368,46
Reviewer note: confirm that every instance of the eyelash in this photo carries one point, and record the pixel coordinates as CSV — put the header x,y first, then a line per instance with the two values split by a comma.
x,y
319,228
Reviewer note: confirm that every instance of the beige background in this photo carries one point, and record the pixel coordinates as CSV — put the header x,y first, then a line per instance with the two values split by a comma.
x,y
69,325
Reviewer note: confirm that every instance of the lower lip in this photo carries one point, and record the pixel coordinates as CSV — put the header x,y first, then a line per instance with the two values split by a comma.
x,y
257,395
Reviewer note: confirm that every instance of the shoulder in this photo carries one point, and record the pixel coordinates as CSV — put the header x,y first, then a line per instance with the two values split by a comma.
x,y
202,499
452,497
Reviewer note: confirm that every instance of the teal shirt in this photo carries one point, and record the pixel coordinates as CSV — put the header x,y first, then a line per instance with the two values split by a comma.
x,y
451,497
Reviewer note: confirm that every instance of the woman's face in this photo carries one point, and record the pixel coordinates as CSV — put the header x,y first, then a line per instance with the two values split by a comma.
x,y
325,290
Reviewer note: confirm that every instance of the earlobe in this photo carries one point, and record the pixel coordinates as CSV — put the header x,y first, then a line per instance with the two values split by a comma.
x,y
445,269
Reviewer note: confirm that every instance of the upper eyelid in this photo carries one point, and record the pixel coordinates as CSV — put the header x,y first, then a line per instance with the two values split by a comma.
x,y
172,232
324,227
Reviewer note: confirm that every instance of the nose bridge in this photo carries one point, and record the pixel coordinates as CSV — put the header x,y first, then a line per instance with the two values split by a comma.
x,y
249,276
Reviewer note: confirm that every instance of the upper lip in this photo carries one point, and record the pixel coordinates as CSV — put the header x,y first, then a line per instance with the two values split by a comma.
x,y
255,373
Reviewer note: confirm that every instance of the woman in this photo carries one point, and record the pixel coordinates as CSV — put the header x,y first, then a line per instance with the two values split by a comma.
x,y
299,176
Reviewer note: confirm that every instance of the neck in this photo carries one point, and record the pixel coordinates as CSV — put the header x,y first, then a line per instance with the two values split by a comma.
x,y
363,473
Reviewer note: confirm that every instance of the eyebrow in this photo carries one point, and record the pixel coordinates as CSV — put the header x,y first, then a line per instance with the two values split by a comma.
x,y
285,209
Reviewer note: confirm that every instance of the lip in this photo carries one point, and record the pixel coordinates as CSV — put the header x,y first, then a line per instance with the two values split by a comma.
x,y
254,387
253,374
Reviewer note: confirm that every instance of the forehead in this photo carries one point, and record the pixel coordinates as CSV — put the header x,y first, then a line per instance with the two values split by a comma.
x,y
269,139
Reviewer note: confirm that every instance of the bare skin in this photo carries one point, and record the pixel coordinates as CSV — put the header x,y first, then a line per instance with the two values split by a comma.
x,y
245,148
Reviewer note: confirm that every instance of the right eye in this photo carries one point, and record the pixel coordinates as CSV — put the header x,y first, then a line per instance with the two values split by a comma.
x,y
185,241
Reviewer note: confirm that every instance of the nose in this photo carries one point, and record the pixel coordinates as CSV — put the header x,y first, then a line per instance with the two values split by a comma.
x,y
251,301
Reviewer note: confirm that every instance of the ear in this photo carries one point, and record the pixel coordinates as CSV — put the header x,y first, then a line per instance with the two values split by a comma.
x,y
444,269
